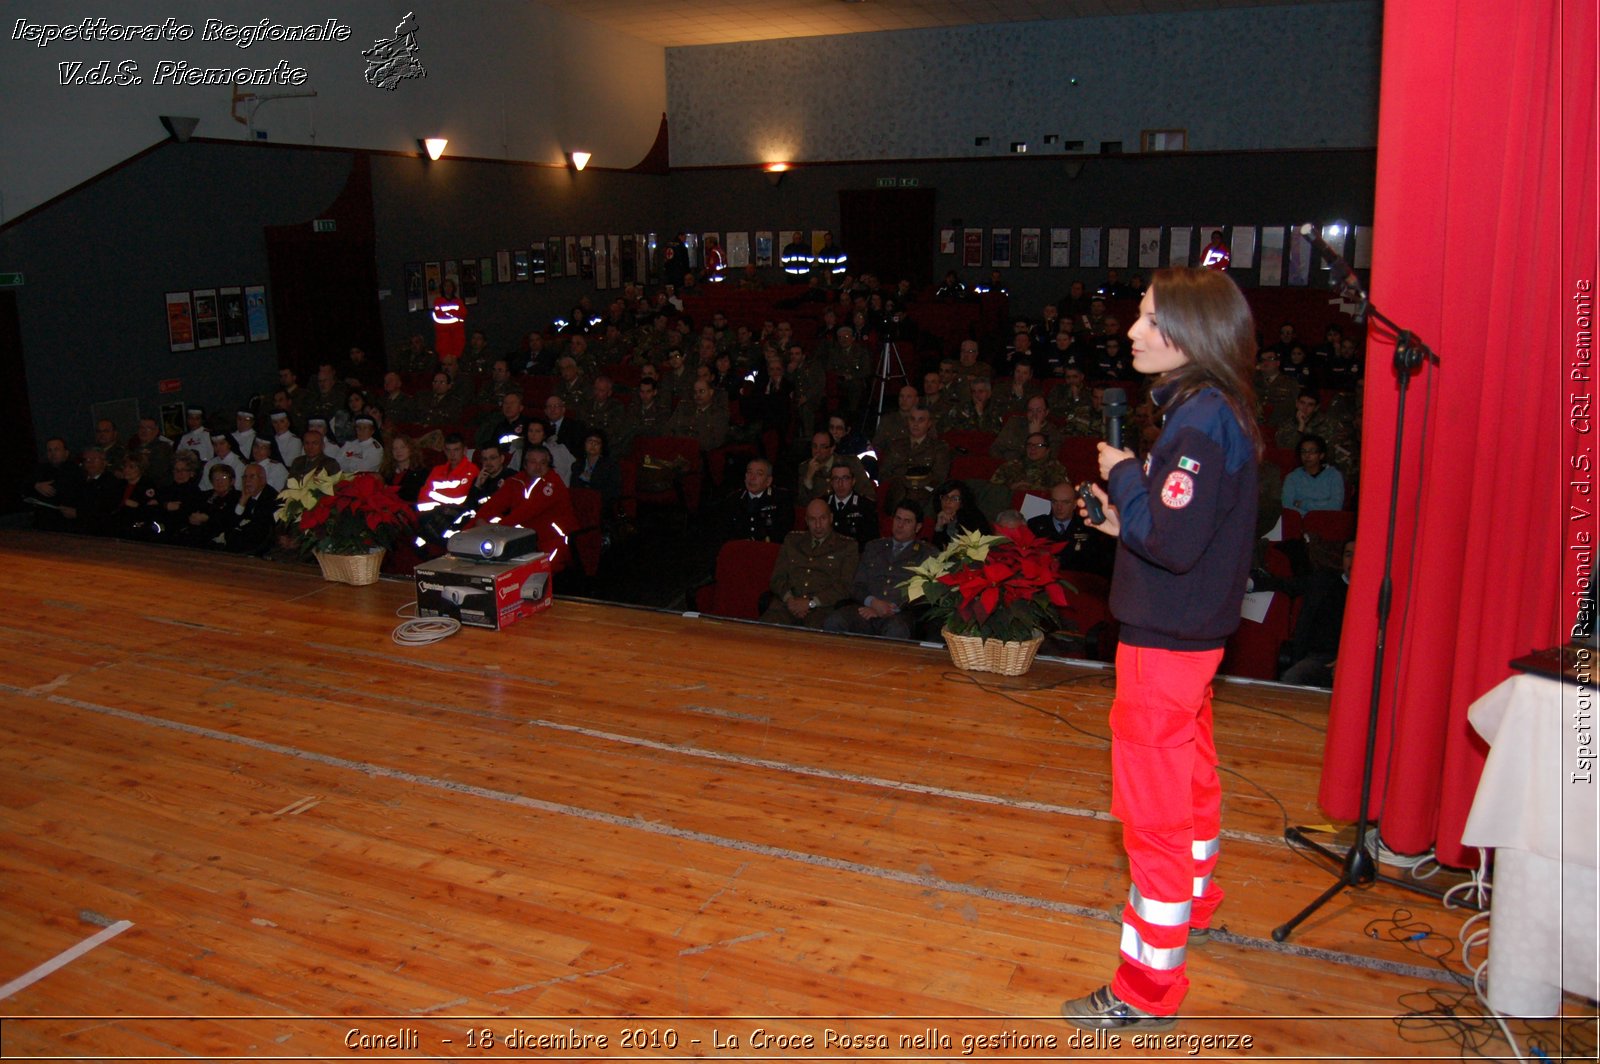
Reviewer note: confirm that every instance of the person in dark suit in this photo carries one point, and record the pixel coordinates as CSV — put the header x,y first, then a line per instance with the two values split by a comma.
x,y
97,497
878,601
1086,550
760,511
251,532
854,514
600,472
565,429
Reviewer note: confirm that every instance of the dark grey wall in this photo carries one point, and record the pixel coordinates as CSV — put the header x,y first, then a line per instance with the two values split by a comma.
x,y
1193,189
98,262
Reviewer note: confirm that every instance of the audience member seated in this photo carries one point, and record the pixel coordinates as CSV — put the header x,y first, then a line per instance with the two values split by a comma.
x,y
1305,420
196,436
362,453
701,418
441,406
1276,391
402,468
758,511
1012,443
813,571
561,459
177,500
536,498
509,428
55,481
1086,550
598,471
877,603
956,513
139,498
399,407
917,461
1077,406
252,527
812,479
446,493
158,452
1314,486
264,453
562,426
222,453
493,471
650,412
217,511
1035,471
98,497
287,442
893,425
311,457
854,515
978,414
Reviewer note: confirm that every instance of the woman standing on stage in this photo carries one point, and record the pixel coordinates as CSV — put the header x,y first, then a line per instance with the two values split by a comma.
x,y
1185,522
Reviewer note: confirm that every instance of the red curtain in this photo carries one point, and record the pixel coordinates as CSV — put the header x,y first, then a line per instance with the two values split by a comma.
x,y
1484,232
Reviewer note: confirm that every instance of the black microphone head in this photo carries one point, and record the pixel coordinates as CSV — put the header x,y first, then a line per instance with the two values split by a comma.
x,y
1114,402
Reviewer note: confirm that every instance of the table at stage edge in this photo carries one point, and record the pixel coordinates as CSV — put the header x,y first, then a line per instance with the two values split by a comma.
x,y
1534,808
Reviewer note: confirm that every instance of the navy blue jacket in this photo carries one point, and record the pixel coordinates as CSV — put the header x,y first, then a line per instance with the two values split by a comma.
x,y
1188,525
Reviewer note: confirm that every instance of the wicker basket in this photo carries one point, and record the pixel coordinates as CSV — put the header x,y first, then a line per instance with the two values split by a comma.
x,y
976,654
351,568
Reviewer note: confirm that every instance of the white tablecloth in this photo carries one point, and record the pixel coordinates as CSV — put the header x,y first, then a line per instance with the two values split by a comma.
x,y
1542,823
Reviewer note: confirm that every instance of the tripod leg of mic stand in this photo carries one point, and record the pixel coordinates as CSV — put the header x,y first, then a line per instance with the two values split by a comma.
x,y
1283,931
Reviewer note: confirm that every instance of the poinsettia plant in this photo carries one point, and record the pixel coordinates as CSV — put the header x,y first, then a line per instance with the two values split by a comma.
x,y
1003,587
343,513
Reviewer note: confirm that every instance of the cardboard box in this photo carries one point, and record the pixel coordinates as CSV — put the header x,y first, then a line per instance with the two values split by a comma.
x,y
484,594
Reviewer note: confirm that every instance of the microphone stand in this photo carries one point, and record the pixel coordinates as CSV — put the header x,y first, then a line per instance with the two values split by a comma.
x,y
1358,866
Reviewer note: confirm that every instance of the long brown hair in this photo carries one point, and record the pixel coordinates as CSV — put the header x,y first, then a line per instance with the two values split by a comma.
x,y
1203,314
388,466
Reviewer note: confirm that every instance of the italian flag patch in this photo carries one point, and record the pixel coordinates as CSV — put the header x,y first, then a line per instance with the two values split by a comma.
x,y
1188,465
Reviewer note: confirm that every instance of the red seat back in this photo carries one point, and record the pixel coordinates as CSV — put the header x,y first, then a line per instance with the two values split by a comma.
x,y
744,572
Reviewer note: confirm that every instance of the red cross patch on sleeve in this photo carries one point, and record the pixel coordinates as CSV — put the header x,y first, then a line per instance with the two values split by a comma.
x,y
1178,491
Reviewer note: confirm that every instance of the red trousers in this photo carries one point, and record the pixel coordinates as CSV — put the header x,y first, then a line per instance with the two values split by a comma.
x,y
1164,789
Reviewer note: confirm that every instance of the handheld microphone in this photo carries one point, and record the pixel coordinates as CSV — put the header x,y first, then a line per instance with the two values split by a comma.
x,y
1340,267
1114,405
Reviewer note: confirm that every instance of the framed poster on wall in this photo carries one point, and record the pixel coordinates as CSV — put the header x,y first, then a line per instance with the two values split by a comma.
x,y
972,248
207,322
180,321
230,302
416,294
1000,248
1028,254
255,311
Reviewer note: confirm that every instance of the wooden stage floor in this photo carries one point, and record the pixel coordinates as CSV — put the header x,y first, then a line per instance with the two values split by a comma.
x,y
240,822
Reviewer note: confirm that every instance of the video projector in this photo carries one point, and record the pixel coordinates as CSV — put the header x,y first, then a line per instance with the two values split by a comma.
x,y
492,543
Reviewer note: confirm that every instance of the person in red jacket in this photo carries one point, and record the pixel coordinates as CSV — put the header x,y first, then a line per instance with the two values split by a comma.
x,y
446,492
537,499
449,322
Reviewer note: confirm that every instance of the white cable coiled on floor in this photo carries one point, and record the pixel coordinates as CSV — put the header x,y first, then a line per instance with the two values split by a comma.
x,y
422,631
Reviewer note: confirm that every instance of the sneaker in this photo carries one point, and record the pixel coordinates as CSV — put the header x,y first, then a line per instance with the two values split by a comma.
x,y
1104,1011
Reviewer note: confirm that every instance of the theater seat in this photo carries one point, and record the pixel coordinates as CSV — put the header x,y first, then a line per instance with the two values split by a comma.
x,y
743,575
1253,649
587,539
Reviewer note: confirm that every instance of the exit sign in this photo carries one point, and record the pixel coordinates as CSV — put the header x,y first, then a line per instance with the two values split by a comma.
x,y
324,225
10,280
899,182
888,182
